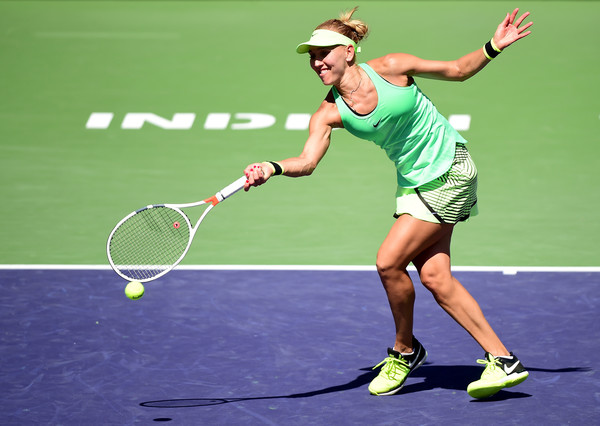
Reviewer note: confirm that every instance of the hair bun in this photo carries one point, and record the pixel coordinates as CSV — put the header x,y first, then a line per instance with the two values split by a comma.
x,y
354,29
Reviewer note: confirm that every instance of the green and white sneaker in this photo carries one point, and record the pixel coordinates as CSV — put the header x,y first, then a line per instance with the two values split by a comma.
x,y
396,368
499,373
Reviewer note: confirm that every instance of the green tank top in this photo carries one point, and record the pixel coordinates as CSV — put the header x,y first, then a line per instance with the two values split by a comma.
x,y
408,127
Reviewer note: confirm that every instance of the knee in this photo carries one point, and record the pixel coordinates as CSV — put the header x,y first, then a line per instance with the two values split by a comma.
x,y
392,273
389,261
387,267
439,283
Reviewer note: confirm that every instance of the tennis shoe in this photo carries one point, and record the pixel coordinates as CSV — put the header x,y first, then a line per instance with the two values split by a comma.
x,y
499,373
395,369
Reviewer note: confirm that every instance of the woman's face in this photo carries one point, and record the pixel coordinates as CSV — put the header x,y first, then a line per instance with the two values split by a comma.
x,y
329,62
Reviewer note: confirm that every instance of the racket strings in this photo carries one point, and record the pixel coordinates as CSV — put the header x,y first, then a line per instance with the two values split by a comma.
x,y
149,242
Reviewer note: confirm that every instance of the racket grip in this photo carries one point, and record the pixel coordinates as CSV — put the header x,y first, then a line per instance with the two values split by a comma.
x,y
231,189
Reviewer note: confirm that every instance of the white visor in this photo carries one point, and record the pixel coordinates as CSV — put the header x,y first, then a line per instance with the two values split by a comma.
x,y
322,38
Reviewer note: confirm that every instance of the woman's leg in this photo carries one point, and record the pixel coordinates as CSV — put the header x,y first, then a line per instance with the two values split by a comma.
x,y
433,265
406,240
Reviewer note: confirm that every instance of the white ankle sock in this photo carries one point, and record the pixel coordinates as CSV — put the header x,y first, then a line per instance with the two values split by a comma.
x,y
506,357
403,354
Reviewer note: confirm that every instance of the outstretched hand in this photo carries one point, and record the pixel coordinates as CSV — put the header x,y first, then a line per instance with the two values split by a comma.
x,y
508,31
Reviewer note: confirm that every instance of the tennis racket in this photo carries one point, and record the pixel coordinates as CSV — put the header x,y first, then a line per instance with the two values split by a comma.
x,y
151,241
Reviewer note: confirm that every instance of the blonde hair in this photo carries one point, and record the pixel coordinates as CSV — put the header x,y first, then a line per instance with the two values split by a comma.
x,y
355,29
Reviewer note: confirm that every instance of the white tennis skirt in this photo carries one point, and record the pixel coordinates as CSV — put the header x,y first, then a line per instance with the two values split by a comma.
x,y
451,198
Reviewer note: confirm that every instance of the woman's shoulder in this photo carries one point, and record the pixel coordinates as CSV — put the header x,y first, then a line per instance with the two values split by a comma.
x,y
327,113
392,63
393,67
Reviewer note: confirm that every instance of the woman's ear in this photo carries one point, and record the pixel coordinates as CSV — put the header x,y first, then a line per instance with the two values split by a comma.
x,y
350,53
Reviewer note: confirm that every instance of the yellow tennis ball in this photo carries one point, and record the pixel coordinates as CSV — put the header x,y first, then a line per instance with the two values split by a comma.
x,y
134,290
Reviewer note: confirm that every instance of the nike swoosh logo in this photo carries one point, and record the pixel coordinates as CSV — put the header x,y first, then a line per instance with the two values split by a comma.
x,y
417,355
377,124
512,368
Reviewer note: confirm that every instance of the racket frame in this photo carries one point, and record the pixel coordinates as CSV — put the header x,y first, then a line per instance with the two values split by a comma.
x,y
221,195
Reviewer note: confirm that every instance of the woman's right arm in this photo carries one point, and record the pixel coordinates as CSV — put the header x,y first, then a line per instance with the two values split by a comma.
x,y
320,127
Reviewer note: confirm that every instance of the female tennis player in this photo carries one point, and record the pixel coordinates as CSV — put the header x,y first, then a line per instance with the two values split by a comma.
x,y
437,181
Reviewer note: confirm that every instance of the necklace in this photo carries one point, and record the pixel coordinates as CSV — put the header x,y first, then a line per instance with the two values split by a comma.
x,y
351,100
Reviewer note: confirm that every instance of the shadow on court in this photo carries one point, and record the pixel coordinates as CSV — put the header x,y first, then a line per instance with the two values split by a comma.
x,y
435,377
360,381
455,377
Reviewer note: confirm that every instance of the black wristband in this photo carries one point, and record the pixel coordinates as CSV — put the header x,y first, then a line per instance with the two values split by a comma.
x,y
489,51
277,167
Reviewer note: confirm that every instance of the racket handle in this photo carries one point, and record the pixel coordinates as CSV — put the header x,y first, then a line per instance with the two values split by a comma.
x,y
231,189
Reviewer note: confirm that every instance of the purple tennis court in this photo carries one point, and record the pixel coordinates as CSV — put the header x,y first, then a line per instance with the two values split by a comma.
x,y
285,347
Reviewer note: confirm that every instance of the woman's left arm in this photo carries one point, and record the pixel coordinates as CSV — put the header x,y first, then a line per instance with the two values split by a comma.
x,y
460,69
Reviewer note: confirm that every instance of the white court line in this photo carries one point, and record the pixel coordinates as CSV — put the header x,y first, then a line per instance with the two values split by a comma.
x,y
507,270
